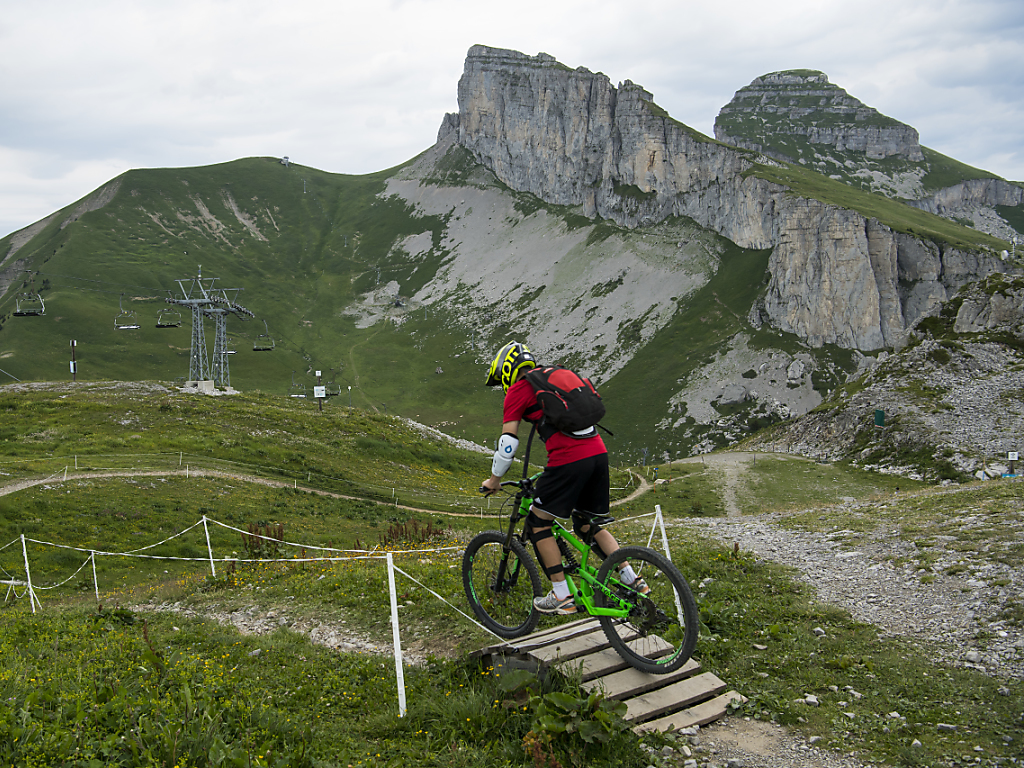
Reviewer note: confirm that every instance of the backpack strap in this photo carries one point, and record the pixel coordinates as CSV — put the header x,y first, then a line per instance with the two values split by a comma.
x,y
529,442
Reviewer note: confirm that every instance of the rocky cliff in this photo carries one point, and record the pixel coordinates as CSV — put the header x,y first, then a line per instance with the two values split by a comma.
x,y
572,138
977,201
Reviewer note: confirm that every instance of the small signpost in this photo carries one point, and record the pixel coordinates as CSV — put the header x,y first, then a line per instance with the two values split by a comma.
x,y
74,365
1013,457
319,392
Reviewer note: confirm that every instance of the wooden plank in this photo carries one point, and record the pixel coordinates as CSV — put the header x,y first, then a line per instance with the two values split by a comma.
x,y
581,623
601,663
566,649
632,682
524,643
700,714
566,632
656,703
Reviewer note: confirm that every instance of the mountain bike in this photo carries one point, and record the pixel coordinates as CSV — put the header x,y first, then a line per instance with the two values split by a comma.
x,y
654,632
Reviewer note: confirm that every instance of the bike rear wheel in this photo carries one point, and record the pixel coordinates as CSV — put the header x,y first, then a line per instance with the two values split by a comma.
x,y
505,608
659,634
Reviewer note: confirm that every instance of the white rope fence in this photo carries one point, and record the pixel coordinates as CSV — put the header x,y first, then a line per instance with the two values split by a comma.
x,y
338,555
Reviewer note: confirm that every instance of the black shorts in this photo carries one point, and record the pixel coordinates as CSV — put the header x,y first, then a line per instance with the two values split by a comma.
x,y
581,485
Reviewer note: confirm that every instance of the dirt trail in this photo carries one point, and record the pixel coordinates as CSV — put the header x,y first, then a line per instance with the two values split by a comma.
x,y
61,477
729,466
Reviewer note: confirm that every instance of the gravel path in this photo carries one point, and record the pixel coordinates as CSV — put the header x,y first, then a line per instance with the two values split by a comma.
x,y
946,614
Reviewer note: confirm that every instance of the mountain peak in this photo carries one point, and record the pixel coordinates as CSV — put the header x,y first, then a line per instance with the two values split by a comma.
x,y
798,116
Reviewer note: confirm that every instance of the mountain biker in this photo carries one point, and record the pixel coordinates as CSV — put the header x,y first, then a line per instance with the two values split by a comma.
x,y
575,478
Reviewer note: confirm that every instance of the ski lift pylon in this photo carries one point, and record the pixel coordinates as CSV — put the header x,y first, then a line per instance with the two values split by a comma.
x,y
29,305
126,321
263,342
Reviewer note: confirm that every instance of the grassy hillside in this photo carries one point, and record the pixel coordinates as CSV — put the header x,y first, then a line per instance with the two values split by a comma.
x,y
303,246
894,214
153,673
326,238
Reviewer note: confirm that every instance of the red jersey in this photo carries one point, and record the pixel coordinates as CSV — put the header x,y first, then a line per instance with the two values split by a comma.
x,y
521,404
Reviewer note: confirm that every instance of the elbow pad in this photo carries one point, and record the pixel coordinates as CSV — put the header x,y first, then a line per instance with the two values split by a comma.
x,y
507,445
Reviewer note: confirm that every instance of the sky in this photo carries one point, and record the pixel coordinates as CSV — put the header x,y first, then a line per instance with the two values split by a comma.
x,y
89,90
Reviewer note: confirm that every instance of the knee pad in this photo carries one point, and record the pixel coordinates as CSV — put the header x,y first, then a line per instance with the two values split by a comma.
x,y
538,528
588,535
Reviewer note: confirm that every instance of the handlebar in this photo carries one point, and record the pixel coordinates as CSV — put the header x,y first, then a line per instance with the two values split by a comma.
x,y
524,483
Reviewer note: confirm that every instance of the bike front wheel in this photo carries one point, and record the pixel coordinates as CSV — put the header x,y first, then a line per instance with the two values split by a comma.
x,y
660,633
501,597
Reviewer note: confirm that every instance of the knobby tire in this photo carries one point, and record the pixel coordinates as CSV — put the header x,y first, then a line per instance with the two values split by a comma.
x,y
655,637
505,609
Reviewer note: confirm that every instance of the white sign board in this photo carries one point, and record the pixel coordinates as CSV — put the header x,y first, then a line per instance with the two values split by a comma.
x,y
1012,456
319,391
73,367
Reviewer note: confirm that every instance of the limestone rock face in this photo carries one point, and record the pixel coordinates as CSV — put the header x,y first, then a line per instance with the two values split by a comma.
x,y
995,304
571,138
804,104
976,201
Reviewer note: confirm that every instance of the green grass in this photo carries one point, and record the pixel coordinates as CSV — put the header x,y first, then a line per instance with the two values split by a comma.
x,y
141,426
164,690
76,678
896,215
944,171
690,491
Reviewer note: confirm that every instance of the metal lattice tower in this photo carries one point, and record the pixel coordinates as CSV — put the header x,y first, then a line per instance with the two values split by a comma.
x,y
204,300
198,368
221,375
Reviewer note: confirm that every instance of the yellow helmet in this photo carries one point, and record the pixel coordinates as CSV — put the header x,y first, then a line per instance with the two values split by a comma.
x,y
505,368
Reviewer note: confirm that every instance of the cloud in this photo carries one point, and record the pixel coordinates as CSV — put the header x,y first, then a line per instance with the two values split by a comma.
x,y
89,90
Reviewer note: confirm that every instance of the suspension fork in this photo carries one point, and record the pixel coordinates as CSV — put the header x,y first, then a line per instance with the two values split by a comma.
x,y
519,512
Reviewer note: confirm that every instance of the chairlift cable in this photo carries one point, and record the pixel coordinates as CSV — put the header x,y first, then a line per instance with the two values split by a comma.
x,y
89,280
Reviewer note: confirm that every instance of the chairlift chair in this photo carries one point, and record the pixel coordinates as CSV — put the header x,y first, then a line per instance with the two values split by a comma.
x,y
263,342
29,305
332,388
229,347
168,318
126,321
296,390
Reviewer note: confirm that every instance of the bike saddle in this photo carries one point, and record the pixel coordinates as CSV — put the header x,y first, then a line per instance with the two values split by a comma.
x,y
589,519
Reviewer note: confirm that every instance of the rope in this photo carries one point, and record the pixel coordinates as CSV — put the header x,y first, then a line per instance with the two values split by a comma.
x,y
69,578
485,629
322,549
169,538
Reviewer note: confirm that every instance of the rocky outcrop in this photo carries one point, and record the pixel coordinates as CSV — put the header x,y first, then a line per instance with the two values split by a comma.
x,y
975,200
988,192
803,103
571,138
993,304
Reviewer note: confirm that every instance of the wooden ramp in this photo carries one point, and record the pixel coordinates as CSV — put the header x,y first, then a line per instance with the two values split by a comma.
x,y
654,702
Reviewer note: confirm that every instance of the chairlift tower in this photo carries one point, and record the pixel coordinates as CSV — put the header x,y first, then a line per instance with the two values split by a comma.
x,y
205,300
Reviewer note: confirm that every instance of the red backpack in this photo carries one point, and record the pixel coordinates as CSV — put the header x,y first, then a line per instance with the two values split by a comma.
x,y
570,402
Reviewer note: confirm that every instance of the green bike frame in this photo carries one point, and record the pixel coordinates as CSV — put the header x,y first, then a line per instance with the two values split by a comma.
x,y
584,593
